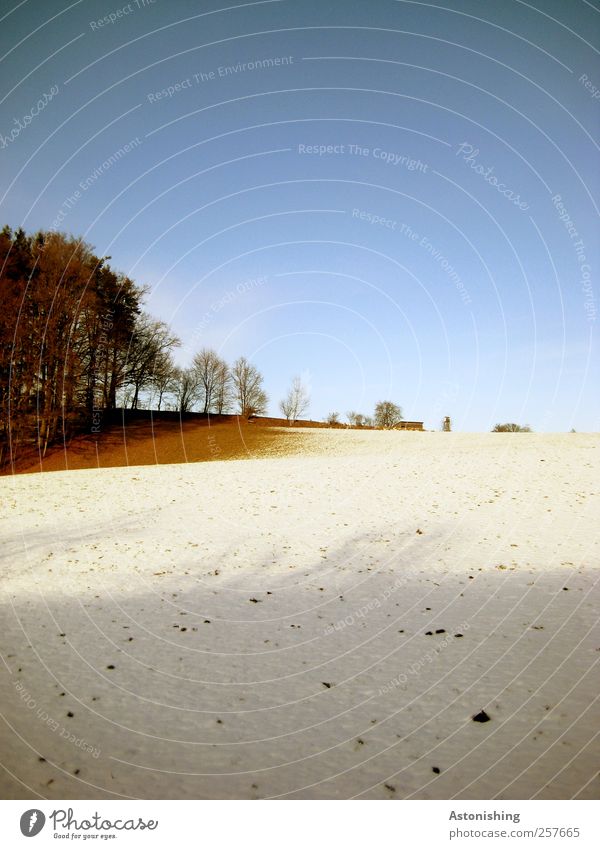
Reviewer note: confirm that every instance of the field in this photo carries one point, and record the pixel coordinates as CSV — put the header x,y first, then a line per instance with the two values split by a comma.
x,y
373,615
139,438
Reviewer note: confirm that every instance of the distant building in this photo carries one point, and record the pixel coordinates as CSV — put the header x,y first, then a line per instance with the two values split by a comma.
x,y
409,426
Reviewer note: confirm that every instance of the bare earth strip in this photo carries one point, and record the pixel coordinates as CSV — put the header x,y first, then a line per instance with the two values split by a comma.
x,y
142,442
318,625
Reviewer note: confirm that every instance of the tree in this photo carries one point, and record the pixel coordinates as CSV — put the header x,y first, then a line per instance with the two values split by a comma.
x,y
212,373
66,325
332,418
355,419
186,389
151,340
511,427
110,322
62,269
296,402
223,389
164,380
72,339
17,358
387,414
247,388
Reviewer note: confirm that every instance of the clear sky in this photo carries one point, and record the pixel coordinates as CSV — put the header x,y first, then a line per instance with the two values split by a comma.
x,y
393,199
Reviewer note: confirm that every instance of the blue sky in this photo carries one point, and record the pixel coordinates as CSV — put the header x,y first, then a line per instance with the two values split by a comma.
x,y
363,193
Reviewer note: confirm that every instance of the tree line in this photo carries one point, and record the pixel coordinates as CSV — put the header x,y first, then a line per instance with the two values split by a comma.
x,y
65,329
386,415
75,342
212,386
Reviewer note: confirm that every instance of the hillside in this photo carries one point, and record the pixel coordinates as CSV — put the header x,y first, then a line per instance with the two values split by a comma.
x,y
324,626
143,438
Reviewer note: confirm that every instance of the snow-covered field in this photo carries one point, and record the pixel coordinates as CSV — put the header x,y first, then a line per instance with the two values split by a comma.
x,y
317,626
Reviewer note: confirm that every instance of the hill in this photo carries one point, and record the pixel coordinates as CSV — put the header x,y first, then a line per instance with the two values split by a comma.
x,y
146,437
326,626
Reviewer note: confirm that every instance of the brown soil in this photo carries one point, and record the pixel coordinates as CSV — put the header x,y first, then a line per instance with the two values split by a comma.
x,y
141,439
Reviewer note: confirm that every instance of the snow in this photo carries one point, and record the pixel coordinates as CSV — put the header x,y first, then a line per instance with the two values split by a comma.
x,y
258,628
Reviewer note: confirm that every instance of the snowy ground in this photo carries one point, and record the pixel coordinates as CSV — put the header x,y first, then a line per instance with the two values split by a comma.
x,y
259,628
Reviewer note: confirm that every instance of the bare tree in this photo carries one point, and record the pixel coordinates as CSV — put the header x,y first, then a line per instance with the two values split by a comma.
x,y
223,393
150,341
65,327
164,379
332,418
296,402
186,389
210,369
387,414
511,427
247,388
355,419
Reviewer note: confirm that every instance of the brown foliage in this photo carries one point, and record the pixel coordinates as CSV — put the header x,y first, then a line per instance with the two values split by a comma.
x,y
66,325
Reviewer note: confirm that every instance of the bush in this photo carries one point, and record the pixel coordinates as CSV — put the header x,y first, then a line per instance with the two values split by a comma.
x,y
511,427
